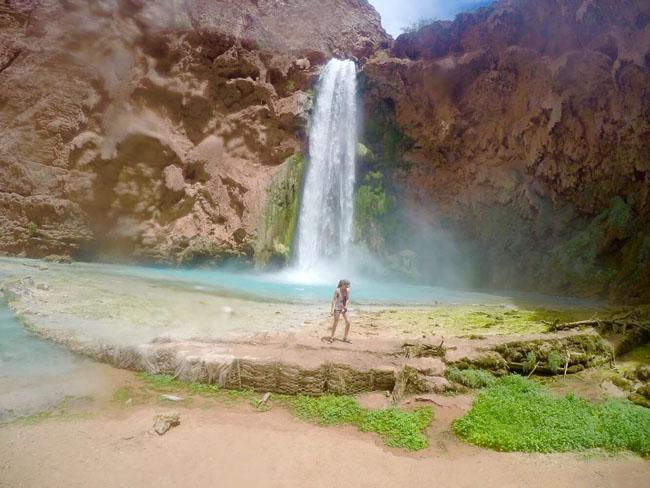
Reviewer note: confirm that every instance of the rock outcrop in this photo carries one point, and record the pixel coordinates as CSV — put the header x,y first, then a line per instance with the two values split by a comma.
x,y
152,130
524,129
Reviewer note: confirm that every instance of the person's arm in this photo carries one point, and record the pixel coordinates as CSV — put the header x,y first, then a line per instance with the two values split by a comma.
x,y
347,301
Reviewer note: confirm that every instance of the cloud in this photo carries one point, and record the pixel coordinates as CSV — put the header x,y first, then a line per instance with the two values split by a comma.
x,y
395,15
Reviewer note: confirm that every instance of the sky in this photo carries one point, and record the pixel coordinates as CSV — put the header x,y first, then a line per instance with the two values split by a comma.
x,y
397,14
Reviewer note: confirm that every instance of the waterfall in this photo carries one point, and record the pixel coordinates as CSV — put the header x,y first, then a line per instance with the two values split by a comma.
x,y
325,219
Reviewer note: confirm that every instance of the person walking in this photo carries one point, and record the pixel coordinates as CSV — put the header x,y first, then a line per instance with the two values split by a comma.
x,y
340,302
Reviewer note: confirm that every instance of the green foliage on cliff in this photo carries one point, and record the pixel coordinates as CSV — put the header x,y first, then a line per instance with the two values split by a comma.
x,y
587,259
384,137
279,218
32,229
371,211
516,414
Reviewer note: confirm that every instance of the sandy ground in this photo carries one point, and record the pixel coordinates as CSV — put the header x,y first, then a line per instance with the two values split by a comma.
x,y
221,444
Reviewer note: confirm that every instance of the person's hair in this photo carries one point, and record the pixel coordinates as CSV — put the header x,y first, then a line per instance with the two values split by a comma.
x,y
343,282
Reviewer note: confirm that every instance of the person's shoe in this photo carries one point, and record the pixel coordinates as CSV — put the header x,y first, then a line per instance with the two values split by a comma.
x,y
345,339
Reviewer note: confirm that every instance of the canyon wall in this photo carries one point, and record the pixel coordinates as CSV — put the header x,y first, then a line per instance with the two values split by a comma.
x,y
511,146
154,131
521,131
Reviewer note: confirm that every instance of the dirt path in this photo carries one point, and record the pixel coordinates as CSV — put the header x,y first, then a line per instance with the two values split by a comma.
x,y
236,446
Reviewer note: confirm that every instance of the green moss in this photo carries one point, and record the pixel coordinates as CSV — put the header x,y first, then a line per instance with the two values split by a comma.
x,y
123,395
275,231
515,414
32,229
166,383
486,319
396,428
363,151
203,250
554,361
633,359
370,207
471,378
61,412
530,362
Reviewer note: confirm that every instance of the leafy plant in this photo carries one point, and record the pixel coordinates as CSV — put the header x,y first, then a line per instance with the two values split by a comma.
x,y
395,427
517,414
472,378
530,362
554,361
32,229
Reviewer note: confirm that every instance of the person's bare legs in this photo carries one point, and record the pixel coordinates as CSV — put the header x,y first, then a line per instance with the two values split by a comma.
x,y
336,321
347,327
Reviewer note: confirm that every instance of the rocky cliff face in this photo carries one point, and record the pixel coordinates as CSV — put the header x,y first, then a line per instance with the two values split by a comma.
x,y
524,128
153,130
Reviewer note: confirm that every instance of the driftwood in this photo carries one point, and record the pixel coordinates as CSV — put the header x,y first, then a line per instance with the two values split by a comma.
x,y
598,323
533,370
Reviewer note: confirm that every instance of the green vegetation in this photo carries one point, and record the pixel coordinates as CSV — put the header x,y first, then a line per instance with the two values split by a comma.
x,y
486,319
370,207
554,361
516,414
123,395
581,261
32,229
635,358
395,427
471,378
280,216
61,411
529,362
291,85
166,383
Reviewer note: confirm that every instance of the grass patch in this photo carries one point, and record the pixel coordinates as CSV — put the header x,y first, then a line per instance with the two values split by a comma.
x,y
123,395
516,414
396,428
471,378
166,383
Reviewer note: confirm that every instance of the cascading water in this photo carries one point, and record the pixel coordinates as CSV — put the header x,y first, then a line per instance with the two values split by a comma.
x,y
325,220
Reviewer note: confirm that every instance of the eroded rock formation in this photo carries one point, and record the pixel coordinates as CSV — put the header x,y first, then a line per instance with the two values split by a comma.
x,y
152,130
524,128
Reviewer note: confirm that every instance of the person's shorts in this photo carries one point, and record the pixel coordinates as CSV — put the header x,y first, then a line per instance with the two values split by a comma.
x,y
339,312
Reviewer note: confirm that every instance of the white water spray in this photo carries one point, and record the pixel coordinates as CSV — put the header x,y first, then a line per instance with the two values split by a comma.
x,y
326,211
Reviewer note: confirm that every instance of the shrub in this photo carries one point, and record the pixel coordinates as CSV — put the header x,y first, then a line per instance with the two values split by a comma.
x,y
472,378
395,427
554,361
32,229
529,362
516,414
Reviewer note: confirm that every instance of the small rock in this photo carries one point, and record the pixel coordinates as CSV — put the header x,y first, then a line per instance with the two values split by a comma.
x,y
162,423
172,398
42,286
228,310
438,384
55,258
43,267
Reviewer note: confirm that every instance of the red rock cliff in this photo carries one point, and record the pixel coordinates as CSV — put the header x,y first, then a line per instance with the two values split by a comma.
x,y
525,128
153,130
